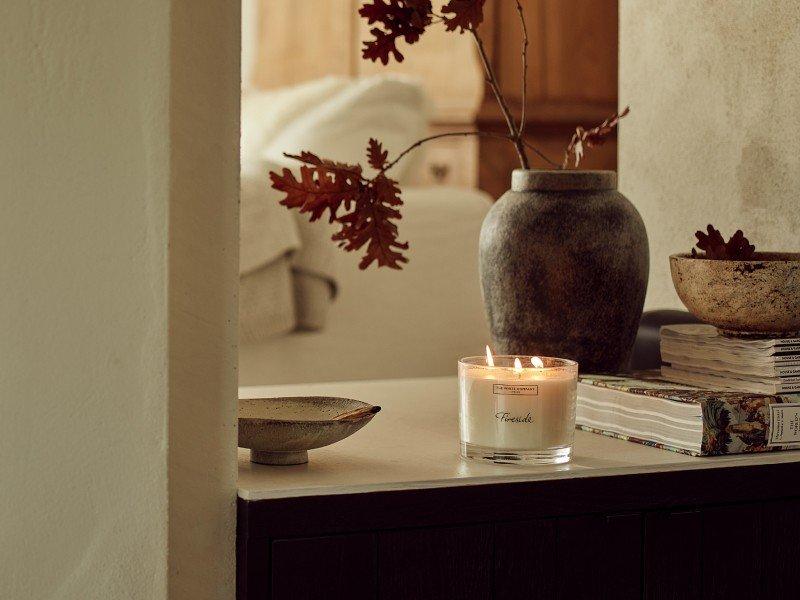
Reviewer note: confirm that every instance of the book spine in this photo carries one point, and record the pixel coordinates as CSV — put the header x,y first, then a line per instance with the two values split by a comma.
x,y
729,382
677,355
729,369
788,358
749,423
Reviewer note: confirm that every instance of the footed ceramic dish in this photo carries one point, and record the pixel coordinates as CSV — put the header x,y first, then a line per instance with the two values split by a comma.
x,y
281,431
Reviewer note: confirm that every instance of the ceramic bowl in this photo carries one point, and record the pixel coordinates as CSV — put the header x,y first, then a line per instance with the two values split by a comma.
x,y
281,431
744,298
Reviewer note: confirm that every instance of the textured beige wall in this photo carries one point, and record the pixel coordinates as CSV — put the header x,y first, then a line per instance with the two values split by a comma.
x,y
94,171
714,89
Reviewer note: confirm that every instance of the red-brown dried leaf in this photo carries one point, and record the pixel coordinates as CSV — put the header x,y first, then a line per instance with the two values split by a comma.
x,y
467,14
376,155
371,223
739,247
317,190
405,19
590,138
370,205
713,244
340,168
381,47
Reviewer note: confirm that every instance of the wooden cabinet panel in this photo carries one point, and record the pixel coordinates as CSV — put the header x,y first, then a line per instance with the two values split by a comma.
x,y
252,567
342,566
741,541
781,545
590,557
572,52
505,47
288,55
732,552
581,49
599,557
451,161
433,564
525,560
619,555
579,548
672,555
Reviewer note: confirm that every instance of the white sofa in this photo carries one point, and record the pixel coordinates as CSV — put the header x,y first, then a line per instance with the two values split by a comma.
x,y
383,323
394,324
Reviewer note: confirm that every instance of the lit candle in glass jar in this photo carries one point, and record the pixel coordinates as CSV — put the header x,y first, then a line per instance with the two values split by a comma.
x,y
517,408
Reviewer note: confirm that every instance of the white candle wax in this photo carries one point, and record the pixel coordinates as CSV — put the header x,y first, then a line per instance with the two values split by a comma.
x,y
518,409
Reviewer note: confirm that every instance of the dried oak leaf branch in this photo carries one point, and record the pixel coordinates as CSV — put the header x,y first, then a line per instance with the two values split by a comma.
x,y
366,209
713,244
405,19
590,138
408,19
466,14
376,155
370,205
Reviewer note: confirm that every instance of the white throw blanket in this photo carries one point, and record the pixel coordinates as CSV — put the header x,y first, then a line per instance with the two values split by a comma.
x,y
286,267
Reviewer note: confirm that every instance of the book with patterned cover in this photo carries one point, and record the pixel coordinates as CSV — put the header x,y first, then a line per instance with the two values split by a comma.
x,y
644,408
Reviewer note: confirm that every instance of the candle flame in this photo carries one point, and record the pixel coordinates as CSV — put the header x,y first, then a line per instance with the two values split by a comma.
x,y
537,362
517,366
489,357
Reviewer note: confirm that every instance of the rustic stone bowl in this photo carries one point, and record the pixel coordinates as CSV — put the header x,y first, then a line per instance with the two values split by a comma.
x,y
742,298
281,431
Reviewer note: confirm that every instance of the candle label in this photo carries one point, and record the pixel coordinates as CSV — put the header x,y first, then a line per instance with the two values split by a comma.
x,y
503,389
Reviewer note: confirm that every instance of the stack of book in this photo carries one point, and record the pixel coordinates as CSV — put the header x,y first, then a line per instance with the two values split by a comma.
x,y
714,395
698,355
696,421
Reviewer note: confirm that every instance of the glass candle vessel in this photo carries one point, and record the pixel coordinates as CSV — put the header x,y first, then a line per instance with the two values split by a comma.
x,y
517,409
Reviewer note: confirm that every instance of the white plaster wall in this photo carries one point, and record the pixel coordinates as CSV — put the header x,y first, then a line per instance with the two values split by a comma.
x,y
714,89
87,187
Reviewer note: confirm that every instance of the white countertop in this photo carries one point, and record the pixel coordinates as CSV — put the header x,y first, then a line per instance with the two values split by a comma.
x,y
413,443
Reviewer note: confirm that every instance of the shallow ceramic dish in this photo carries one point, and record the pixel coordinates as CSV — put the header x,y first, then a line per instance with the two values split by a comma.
x,y
747,298
281,431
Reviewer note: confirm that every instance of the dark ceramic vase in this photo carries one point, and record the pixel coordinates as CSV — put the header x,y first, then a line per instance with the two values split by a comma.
x,y
564,263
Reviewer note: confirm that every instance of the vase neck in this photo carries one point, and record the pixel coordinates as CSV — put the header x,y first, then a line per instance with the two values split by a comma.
x,y
530,180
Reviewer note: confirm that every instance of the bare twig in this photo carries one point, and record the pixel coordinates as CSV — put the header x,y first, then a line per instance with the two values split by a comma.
x,y
441,135
590,138
540,154
575,145
492,81
524,70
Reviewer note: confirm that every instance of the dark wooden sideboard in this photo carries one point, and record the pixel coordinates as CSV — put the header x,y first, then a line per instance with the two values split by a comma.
x,y
717,533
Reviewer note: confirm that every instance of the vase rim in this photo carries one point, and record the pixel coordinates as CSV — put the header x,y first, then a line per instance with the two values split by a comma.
x,y
562,180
